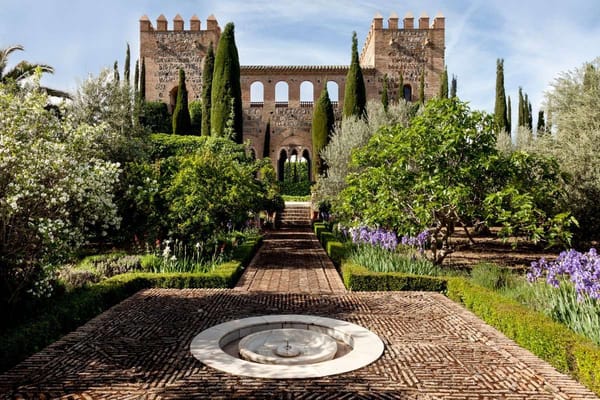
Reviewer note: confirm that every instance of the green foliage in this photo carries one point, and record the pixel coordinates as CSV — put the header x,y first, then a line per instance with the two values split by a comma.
x,y
384,94
436,174
500,112
143,82
444,84
296,181
492,276
181,115
377,259
508,115
454,87
351,134
322,127
355,95
166,145
551,341
195,109
64,314
207,78
359,278
422,88
226,94
155,117
127,66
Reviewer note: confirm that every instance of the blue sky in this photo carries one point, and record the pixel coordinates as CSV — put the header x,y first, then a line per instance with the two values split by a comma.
x,y
538,39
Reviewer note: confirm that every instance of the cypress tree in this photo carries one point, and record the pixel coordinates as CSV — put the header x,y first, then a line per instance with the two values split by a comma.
x,y
136,78
422,88
355,95
143,80
127,67
541,124
453,86
226,90
181,115
444,84
401,87
384,93
529,114
500,114
116,72
509,114
521,120
267,144
207,77
322,125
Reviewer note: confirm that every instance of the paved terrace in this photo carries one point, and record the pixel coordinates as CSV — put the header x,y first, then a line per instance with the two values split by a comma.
x,y
434,348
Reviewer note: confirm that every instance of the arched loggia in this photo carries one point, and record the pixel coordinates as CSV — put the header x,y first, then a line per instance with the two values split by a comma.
x,y
283,156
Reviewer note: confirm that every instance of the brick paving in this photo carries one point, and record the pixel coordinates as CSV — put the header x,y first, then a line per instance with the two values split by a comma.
x,y
434,349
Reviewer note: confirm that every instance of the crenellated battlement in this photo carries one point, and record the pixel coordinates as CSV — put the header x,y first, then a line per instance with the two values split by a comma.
x,y
162,25
367,53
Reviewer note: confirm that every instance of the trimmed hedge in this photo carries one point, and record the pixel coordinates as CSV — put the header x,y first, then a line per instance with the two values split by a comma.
x,y
79,306
359,278
334,248
553,342
166,145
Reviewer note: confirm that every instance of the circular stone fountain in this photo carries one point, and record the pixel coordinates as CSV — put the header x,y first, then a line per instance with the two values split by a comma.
x,y
282,346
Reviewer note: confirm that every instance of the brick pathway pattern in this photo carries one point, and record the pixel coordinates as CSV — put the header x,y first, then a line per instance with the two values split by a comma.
x,y
434,349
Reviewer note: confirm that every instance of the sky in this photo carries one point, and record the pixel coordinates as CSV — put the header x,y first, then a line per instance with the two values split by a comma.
x,y
538,39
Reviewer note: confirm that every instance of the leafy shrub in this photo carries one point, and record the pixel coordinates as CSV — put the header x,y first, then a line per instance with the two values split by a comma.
x,y
195,108
155,117
491,276
167,145
359,278
378,259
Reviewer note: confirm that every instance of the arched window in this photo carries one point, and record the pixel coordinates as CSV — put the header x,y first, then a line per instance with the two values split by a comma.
x,y
306,158
407,92
257,93
281,94
334,91
307,94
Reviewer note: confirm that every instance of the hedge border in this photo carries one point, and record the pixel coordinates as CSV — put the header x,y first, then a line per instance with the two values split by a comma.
x,y
82,304
553,342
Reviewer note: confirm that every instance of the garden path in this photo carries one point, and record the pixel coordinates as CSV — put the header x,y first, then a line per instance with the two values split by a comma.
x,y
291,259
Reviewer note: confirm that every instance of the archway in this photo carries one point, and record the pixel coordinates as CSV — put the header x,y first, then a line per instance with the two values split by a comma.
x,y
306,156
281,164
334,91
173,98
296,174
307,94
407,92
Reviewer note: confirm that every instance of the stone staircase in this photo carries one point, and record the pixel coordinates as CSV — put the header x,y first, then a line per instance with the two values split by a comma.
x,y
295,214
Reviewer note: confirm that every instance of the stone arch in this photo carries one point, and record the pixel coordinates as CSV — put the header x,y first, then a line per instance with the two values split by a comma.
x,y
282,93
307,92
306,156
283,156
173,98
407,92
257,92
334,91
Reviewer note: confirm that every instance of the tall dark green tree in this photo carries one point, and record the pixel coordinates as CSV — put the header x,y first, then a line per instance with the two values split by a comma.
x,y
422,88
143,79
500,112
207,78
267,144
522,116
127,66
136,78
509,114
322,127
355,94
444,84
116,75
181,115
541,124
384,93
226,93
453,86
529,114
401,87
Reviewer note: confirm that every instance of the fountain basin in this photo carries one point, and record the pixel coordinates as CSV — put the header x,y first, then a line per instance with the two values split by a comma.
x,y
357,346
